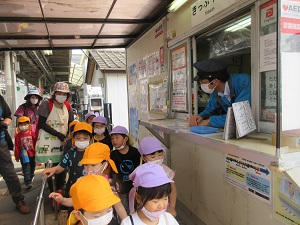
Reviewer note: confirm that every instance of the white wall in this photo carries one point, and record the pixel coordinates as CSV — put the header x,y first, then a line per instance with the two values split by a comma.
x,y
116,94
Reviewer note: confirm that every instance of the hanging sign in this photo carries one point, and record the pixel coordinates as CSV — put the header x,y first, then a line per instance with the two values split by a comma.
x,y
202,10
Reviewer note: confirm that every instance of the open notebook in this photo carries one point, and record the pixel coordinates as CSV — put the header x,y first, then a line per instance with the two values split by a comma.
x,y
239,121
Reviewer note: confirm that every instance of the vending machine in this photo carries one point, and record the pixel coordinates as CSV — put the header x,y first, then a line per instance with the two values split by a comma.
x,y
95,101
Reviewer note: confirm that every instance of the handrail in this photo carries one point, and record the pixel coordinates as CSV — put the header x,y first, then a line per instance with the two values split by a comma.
x,y
39,215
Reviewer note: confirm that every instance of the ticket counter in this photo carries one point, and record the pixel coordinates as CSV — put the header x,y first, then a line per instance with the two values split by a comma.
x,y
219,182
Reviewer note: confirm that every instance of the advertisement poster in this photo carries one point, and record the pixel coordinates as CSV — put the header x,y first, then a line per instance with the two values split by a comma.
x,y
179,79
134,125
153,64
142,68
268,13
144,95
286,200
132,74
250,176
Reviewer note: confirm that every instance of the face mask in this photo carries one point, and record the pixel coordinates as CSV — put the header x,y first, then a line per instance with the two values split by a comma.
x,y
34,101
96,172
99,131
24,128
82,144
102,220
206,89
61,98
152,215
120,148
158,162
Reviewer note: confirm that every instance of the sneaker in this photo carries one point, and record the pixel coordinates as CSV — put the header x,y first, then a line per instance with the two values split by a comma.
x,y
22,207
29,186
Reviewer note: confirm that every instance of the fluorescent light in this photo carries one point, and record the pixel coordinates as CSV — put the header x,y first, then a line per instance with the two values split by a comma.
x,y
176,4
239,25
48,52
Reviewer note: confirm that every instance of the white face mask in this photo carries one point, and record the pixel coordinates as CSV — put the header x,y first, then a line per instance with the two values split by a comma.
x,y
98,171
152,215
158,162
24,128
61,98
34,101
206,89
82,144
99,131
120,148
102,220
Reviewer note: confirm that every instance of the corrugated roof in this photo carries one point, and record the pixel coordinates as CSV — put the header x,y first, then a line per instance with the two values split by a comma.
x,y
109,58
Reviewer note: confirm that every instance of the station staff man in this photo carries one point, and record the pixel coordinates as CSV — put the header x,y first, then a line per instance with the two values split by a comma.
x,y
224,89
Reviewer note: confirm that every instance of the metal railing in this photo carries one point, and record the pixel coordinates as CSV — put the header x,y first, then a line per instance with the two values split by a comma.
x,y
39,215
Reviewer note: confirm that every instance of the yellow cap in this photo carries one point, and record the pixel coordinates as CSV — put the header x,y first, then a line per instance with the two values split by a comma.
x,y
92,193
73,123
83,126
23,119
96,153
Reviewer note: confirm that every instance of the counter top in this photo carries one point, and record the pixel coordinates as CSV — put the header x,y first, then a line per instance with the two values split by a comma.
x,y
255,142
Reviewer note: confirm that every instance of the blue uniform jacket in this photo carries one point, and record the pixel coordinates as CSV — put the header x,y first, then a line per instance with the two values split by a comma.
x,y
216,109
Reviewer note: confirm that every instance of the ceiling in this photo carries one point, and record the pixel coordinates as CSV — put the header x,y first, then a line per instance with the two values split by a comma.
x,y
30,26
52,24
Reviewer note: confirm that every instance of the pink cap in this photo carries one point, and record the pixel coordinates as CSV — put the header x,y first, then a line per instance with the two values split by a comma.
x,y
147,175
100,119
119,130
88,115
149,145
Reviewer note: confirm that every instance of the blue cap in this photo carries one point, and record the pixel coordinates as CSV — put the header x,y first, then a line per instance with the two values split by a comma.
x,y
33,92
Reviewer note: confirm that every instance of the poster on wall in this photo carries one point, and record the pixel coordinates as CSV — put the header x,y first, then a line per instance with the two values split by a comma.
x,y
142,68
290,17
132,95
250,176
179,79
153,64
286,198
158,94
132,74
134,124
144,95
268,52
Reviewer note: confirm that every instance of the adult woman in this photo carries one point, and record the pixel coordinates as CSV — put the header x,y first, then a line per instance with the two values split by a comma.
x,y
54,118
30,107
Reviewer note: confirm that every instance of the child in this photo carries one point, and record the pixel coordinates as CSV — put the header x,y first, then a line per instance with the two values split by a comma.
x,y
101,134
150,195
152,151
92,205
81,138
96,160
25,149
68,145
88,118
126,158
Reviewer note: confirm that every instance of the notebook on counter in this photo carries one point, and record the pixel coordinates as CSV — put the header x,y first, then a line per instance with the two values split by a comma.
x,y
239,121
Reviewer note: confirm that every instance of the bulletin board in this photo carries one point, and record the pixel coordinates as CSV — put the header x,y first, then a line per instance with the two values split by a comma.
x,y
157,96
